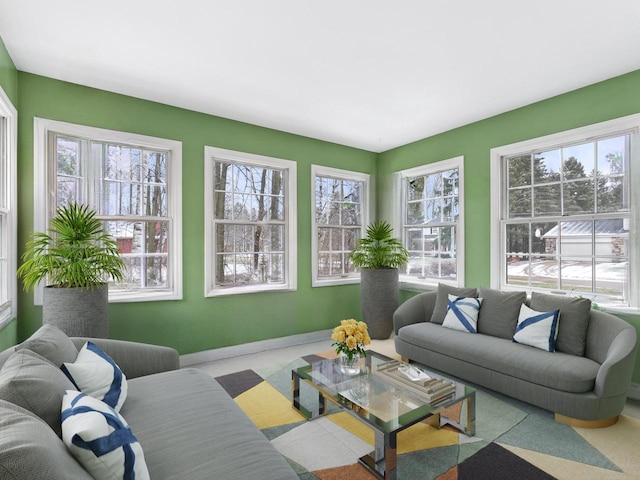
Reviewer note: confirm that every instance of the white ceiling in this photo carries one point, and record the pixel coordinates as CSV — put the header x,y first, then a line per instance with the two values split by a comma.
x,y
372,74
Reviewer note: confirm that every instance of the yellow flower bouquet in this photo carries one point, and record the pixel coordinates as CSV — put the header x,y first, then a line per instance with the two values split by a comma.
x,y
350,337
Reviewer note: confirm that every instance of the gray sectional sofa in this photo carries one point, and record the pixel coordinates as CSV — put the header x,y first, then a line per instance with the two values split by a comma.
x,y
585,381
188,426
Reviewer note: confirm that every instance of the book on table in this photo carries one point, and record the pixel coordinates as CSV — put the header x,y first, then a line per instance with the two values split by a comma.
x,y
415,380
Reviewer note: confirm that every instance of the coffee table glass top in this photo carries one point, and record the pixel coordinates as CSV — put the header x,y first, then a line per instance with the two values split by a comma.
x,y
385,404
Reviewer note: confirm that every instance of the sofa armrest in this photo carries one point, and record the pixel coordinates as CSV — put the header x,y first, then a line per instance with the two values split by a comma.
x,y
415,310
616,371
135,359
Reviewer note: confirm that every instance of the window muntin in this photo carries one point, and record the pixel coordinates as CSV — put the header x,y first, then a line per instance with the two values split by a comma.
x,y
340,215
431,222
8,212
567,215
127,179
249,209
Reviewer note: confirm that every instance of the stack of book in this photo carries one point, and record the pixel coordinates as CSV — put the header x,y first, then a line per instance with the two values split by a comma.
x,y
416,381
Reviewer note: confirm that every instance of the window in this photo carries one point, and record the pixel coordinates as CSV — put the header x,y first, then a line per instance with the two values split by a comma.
x,y
432,227
134,183
339,217
565,213
250,209
8,213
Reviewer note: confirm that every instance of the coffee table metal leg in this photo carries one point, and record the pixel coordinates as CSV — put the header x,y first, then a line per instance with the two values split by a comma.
x,y
471,415
383,461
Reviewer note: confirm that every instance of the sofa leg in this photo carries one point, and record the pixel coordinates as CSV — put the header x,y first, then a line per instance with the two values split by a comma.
x,y
405,359
576,422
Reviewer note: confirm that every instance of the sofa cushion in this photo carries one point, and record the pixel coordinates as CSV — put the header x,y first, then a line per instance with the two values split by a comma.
x,y
537,329
32,382
574,319
191,429
51,343
499,313
101,439
29,449
559,371
442,300
462,314
96,374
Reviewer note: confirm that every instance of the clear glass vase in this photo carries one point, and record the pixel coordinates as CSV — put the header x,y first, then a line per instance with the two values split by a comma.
x,y
350,366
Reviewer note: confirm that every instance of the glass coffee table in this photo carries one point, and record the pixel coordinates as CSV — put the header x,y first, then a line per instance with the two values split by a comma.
x,y
383,397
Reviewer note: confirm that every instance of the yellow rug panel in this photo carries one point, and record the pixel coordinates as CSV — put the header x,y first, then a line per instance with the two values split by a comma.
x,y
417,437
267,407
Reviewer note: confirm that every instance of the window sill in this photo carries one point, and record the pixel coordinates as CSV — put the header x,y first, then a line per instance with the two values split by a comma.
x,y
332,282
222,292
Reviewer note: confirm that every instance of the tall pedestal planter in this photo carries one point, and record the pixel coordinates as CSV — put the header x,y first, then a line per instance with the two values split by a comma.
x,y
379,299
78,312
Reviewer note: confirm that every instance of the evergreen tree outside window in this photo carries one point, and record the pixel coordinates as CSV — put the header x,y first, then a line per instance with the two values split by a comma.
x,y
567,213
432,223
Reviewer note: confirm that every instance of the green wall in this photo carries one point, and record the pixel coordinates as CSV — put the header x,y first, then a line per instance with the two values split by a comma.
x,y
8,74
8,83
603,101
196,323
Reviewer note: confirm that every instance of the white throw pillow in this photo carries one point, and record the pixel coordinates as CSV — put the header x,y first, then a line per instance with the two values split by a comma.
x,y
101,439
537,329
462,313
96,374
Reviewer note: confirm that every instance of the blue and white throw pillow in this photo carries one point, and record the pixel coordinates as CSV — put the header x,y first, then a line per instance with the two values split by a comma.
x,y
462,313
537,329
96,374
101,439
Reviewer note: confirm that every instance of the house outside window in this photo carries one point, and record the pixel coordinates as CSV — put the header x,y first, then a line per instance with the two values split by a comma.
x,y
250,210
8,212
340,214
565,212
133,182
431,223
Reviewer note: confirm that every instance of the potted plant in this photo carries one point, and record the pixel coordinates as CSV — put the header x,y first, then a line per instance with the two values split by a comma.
x,y
379,255
76,257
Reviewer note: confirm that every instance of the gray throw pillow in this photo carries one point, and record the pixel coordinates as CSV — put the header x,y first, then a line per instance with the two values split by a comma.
x,y
499,312
29,449
33,383
573,323
51,343
442,300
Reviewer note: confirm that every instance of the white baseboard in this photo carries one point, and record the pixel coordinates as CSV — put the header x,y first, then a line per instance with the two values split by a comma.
x,y
634,391
190,359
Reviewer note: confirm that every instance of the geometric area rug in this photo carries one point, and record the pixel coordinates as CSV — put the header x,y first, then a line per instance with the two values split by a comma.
x,y
513,440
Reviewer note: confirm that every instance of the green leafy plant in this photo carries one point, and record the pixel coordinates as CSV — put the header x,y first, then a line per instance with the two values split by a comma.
x,y
76,252
379,249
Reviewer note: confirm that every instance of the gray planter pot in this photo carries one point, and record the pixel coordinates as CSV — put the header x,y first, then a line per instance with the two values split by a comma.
x,y
379,299
78,312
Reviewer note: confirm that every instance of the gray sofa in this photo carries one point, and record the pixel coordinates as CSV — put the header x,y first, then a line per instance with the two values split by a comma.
x,y
188,426
584,387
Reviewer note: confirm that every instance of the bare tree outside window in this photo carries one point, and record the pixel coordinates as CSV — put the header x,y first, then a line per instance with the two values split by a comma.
x,y
249,211
127,186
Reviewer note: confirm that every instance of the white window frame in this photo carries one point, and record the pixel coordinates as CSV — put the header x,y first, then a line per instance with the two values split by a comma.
x,y
628,124
410,282
213,154
9,177
340,174
45,200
